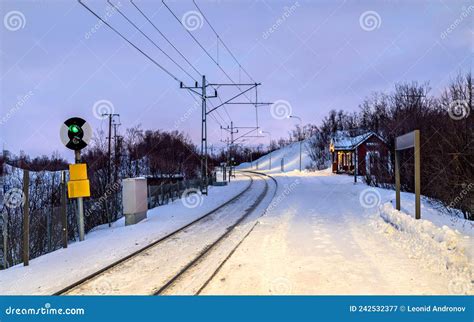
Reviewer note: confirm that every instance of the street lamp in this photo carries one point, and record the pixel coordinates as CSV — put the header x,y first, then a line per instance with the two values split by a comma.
x,y
301,123
270,135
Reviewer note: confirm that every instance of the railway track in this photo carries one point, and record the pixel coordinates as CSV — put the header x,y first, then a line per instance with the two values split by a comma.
x,y
159,267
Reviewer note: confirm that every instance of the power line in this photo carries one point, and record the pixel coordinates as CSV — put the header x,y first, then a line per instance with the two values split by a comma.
x,y
146,36
178,51
202,47
219,38
129,42
166,38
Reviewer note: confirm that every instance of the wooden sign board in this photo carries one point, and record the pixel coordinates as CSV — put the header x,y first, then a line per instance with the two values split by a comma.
x,y
407,141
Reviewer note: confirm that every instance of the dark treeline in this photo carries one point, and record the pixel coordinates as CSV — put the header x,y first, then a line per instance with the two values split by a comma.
x,y
447,146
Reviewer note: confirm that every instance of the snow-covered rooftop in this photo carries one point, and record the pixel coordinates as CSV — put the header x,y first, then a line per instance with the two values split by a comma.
x,y
343,141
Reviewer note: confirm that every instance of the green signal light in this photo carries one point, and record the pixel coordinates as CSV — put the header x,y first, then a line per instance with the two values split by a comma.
x,y
74,129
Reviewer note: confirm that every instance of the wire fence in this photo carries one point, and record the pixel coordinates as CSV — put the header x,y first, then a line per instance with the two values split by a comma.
x,y
52,221
159,195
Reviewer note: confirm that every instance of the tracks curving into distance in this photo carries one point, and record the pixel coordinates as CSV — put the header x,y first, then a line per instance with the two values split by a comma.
x,y
185,260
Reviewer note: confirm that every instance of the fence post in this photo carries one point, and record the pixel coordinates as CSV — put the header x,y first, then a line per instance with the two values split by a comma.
x,y
282,165
4,237
26,218
3,226
64,209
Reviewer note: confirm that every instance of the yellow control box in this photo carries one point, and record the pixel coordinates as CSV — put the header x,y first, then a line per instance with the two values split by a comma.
x,y
77,171
78,188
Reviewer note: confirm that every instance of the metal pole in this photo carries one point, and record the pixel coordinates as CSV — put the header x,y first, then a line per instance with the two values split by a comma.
x,y
417,175
230,148
271,160
203,134
49,215
26,218
301,142
80,205
109,168
64,209
397,179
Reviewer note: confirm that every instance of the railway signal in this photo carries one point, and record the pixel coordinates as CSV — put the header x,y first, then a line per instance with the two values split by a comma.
x,y
75,134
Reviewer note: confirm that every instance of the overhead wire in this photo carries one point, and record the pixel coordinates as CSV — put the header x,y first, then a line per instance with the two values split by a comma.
x,y
219,38
178,51
202,47
166,38
149,39
130,43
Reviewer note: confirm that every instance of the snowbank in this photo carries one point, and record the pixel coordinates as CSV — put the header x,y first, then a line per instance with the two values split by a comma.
x,y
440,248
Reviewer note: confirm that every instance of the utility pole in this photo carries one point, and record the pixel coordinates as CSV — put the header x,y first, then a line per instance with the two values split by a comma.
x,y
117,139
109,162
117,149
204,112
231,131
204,133
201,92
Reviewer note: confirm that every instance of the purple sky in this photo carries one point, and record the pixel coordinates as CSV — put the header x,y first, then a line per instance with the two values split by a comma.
x,y
316,55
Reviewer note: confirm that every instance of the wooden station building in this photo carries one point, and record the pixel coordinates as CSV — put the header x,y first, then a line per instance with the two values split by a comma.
x,y
364,150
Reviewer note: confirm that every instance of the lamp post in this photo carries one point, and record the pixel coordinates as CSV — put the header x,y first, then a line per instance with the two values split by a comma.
x,y
270,135
301,141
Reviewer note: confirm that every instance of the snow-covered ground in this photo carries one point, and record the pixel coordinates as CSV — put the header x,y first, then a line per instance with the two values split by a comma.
x,y
103,246
323,234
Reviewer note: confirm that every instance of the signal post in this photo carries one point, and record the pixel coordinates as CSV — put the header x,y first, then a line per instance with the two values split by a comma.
x,y
75,134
